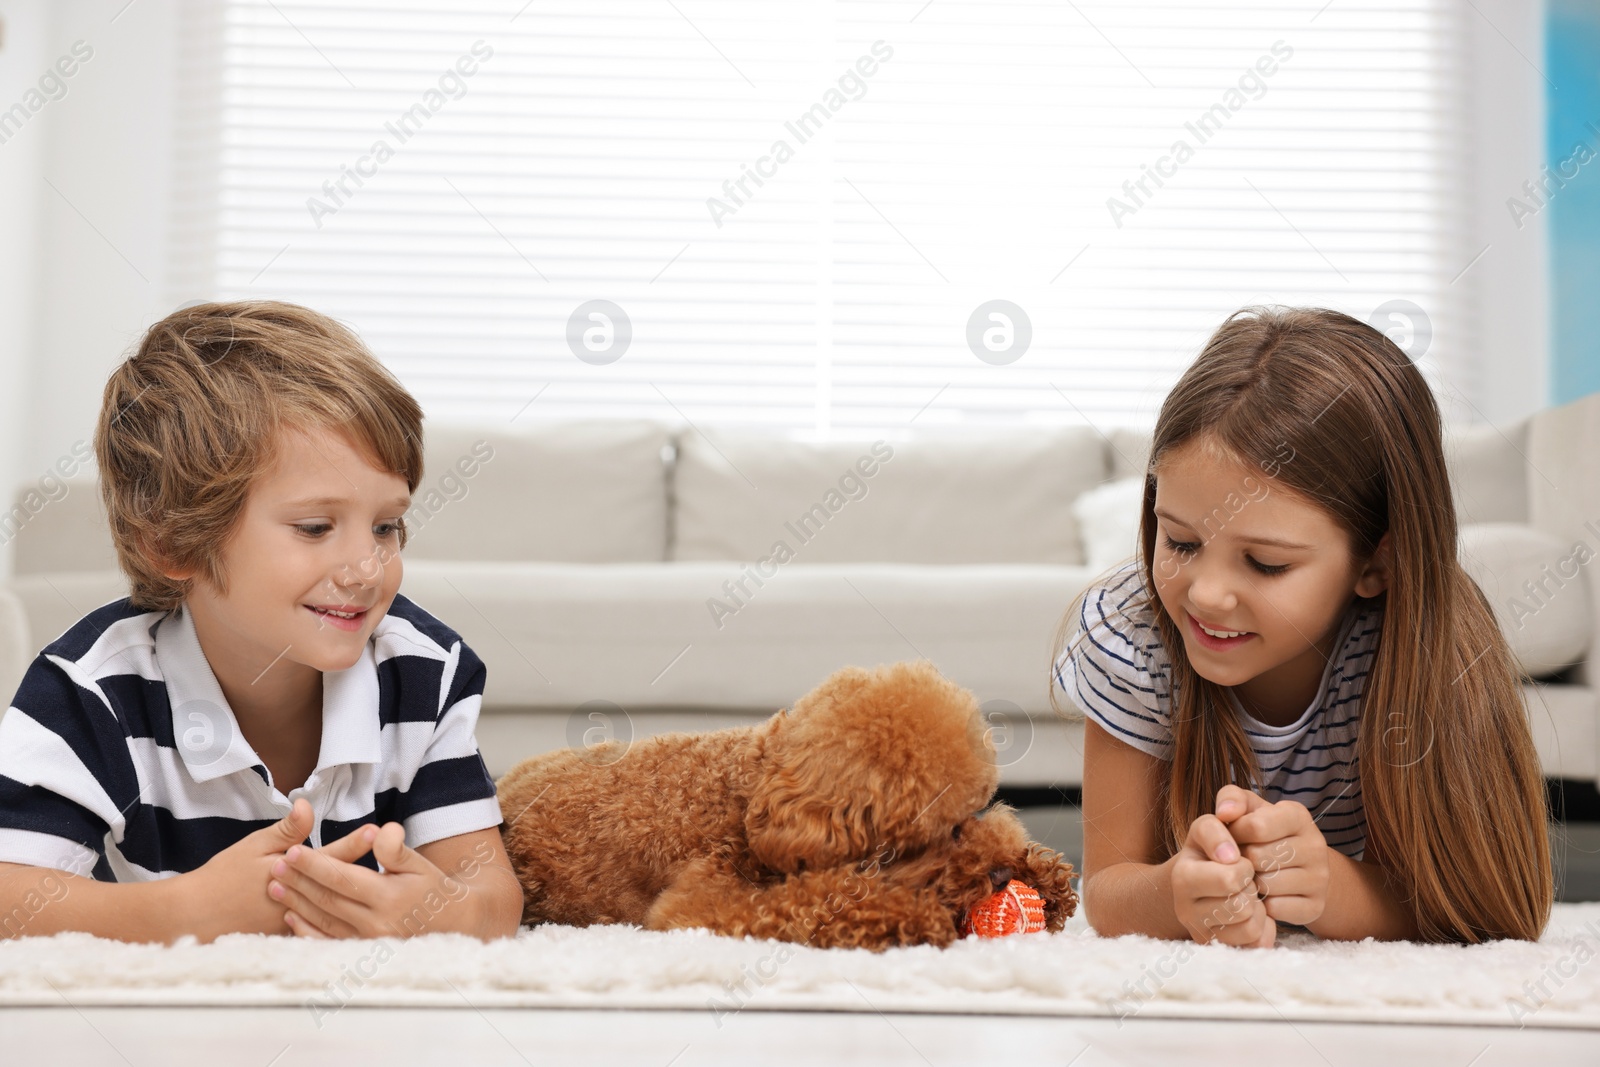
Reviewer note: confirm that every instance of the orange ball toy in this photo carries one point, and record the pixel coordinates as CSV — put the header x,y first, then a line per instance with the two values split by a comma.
x,y
1016,909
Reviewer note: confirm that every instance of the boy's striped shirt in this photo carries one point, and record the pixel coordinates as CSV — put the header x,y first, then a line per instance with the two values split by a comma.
x,y
120,758
1119,675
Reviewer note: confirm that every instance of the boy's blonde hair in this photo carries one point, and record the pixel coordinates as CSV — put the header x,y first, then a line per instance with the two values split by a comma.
x,y
192,419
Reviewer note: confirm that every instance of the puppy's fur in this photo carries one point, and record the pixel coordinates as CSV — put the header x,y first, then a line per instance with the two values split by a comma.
x,y
918,899
834,822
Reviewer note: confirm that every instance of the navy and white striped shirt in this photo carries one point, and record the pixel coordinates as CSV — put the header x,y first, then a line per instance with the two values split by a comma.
x,y
1120,676
120,758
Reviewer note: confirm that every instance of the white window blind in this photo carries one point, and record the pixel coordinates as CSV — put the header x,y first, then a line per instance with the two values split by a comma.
x,y
901,165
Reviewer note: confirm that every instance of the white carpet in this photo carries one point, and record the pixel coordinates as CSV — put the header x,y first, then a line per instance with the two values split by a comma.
x,y
1551,983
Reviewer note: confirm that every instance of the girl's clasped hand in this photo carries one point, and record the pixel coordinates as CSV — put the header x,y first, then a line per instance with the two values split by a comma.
x,y
1247,867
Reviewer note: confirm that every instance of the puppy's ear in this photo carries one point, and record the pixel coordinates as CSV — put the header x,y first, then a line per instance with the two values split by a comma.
x,y
890,758
1051,877
795,818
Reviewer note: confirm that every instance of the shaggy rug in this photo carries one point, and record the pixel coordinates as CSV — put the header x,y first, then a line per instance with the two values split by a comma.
x,y
1548,983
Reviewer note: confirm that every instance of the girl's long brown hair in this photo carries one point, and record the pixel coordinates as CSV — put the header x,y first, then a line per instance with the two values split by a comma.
x,y
1450,781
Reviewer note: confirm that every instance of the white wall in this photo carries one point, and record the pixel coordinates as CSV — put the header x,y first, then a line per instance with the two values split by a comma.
x,y
77,289
23,55
103,256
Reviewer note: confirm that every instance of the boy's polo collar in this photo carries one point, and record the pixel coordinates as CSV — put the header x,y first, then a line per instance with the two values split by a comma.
x,y
350,722
207,734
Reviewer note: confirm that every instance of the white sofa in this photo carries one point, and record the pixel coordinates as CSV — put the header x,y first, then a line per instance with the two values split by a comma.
x,y
626,578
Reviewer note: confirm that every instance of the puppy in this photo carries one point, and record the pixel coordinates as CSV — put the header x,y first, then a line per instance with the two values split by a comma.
x,y
871,763
918,898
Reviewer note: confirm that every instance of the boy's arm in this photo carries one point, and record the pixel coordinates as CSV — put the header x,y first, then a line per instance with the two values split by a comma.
x,y
479,862
438,805
226,895
52,802
39,901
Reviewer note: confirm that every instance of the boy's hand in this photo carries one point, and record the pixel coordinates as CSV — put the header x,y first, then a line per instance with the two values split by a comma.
x,y
227,893
1284,847
328,895
1213,890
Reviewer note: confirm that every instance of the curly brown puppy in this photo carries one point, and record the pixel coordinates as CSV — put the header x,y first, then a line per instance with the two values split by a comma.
x,y
865,774
915,899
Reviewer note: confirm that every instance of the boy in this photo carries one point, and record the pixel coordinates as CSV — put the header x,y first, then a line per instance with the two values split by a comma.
x,y
167,759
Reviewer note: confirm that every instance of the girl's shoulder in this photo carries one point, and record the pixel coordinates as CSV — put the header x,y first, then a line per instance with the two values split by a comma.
x,y
1117,594
1115,617
1361,633
1114,668
1363,625
1369,619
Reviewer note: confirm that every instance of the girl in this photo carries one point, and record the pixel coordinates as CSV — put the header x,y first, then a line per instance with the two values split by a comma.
x,y
1298,706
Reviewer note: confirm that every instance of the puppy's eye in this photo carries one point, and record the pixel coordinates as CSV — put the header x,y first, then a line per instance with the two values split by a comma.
x,y
955,834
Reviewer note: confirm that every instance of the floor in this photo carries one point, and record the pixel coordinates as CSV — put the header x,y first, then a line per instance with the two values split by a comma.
x,y
287,1037
1574,846
290,1037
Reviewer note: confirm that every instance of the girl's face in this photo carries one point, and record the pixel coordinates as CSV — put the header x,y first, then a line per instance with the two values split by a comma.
x,y
1237,553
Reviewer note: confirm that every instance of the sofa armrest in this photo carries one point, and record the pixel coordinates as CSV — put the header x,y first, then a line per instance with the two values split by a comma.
x,y
1564,494
16,645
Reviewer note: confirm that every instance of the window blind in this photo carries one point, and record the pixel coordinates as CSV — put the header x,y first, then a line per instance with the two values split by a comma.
x,y
833,215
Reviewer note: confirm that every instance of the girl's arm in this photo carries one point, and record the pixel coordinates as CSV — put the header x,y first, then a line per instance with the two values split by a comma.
x,y
1204,891
1127,889
1363,901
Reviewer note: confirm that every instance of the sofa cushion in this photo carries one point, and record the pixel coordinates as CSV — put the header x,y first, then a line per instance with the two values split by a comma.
x,y
53,603
1130,451
16,643
584,492
933,498
1108,516
579,492
62,529
1564,490
558,635
1565,729
1488,471
1538,589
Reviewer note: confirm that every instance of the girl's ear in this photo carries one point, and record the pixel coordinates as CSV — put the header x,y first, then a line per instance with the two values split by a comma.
x,y
1374,578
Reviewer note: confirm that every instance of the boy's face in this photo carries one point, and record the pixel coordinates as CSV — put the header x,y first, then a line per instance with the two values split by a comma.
x,y
319,531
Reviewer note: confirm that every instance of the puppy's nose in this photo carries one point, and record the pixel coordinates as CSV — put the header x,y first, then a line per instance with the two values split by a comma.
x,y
999,877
